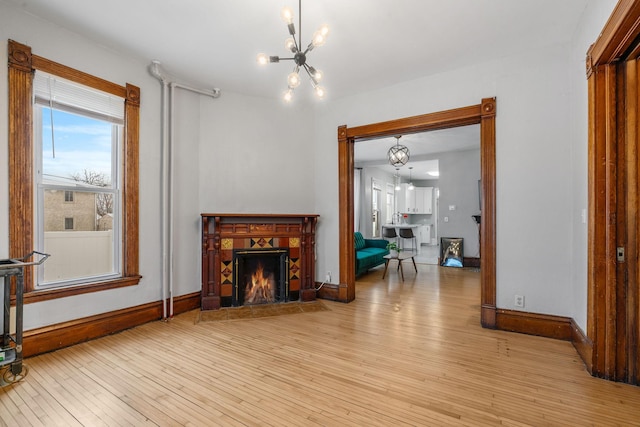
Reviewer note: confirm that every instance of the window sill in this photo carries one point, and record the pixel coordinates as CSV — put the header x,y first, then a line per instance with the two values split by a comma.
x,y
49,294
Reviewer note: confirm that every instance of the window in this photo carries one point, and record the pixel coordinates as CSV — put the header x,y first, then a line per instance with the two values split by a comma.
x,y
42,168
77,138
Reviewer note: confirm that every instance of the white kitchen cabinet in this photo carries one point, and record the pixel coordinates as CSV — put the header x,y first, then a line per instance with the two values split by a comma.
x,y
416,201
427,200
424,234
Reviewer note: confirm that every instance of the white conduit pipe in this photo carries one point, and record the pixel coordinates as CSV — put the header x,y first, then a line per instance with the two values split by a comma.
x,y
167,139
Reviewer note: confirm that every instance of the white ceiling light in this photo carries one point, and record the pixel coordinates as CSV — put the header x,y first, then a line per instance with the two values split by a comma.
x,y
411,187
299,56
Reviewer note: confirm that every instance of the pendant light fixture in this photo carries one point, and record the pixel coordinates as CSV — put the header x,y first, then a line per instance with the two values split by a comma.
x,y
398,154
396,179
299,55
411,187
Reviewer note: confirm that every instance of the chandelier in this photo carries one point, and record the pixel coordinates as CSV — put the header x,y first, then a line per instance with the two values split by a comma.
x,y
299,55
398,154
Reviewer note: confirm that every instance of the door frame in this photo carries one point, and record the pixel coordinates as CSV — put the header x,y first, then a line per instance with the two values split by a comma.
x,y
613,308
483,114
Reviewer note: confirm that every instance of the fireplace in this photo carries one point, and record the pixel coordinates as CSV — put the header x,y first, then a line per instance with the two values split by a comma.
x,y
261,277
240,250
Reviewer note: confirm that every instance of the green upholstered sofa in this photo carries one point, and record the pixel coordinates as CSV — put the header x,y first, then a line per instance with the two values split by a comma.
x,y
369,252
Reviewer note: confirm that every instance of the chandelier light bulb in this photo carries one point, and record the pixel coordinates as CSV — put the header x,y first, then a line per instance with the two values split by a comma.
x,y
293,80
316,74
324,30
287,15
263,59
290,45
320,92
318,39
288,95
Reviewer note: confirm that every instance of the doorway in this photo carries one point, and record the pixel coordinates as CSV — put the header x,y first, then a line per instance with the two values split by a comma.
x,y
483,114
612,347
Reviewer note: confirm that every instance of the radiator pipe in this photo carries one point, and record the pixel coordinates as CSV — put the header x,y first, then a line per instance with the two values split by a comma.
x,y
167,142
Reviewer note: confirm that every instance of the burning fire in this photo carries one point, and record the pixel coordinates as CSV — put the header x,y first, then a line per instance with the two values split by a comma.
x,y
260,289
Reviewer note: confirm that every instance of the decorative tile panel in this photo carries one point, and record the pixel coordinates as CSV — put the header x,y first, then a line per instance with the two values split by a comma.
x,y
226,273
262,243
294,242
294,268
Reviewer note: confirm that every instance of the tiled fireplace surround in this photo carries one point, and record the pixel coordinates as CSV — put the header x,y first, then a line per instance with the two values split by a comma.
x,y
222,234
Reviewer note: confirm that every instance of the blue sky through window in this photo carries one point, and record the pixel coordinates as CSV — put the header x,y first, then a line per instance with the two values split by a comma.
x,y
80,143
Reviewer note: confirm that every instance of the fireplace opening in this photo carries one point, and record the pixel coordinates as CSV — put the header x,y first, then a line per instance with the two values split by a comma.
x,y
261,276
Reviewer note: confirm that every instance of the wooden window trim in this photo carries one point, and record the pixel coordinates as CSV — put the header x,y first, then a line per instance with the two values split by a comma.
x,y
22,64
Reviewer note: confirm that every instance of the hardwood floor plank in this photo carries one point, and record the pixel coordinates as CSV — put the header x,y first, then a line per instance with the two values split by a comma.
x,y
403,353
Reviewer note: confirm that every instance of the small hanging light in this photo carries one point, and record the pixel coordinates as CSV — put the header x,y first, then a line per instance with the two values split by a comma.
x,y
398,154
411,187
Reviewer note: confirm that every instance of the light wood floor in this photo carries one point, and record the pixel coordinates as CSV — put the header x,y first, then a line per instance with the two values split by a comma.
x,y
409,353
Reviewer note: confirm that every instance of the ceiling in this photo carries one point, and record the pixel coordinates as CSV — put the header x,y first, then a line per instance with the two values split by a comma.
x,y
423,150
372,43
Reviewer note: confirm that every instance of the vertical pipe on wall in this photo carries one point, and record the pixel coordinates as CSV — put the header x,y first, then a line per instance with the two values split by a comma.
x,y
167,142
172,92
155,71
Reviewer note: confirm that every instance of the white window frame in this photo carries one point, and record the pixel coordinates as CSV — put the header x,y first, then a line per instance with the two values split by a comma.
x,y
117,132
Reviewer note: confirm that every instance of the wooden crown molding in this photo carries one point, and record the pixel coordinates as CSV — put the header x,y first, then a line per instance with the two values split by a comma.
x,y
488,107
133,95
617,36
19,56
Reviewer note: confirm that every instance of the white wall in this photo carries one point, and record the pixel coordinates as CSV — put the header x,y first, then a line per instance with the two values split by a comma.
x,y
256,156
532,154
53,42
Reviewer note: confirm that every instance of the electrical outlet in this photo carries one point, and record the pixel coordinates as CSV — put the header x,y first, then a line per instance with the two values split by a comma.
x,y
328,278
519,301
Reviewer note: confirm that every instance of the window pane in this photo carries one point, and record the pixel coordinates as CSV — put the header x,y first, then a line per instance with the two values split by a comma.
x,y
79,148
78,198
79,236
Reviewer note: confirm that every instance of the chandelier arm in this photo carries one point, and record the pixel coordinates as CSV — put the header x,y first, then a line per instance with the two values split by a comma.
x,y
314,82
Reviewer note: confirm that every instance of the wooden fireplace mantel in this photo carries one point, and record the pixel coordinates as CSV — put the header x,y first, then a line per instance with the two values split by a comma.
x,y
222,233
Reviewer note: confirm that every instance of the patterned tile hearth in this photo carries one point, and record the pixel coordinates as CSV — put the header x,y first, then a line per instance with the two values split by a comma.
x,y
261,310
